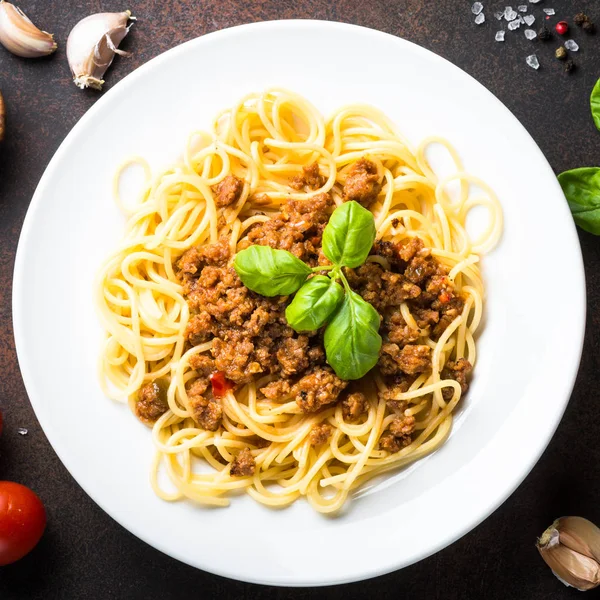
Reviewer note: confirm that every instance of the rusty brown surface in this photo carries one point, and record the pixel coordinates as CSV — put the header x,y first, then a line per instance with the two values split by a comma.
x,y
84,553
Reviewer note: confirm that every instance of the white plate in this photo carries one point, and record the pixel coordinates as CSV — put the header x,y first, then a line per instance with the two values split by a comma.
x,y
529,351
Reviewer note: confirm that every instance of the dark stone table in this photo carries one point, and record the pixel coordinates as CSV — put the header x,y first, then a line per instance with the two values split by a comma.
x,y
84,553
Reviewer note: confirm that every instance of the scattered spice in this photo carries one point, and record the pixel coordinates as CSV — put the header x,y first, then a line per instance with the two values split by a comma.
x,y
562,27
569,66
589,27
544,34
580,19
560,53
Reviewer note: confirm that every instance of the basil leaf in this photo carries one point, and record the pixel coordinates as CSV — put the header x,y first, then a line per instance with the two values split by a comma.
x,y
595,104
270,272
314,302
582,189
349,235
352,340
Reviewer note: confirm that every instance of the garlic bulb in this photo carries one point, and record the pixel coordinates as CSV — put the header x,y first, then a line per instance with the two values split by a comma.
x,y
571,548
2,117
92,45
20,36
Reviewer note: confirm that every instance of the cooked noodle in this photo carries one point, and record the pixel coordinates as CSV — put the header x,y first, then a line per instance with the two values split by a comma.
x,y
265,139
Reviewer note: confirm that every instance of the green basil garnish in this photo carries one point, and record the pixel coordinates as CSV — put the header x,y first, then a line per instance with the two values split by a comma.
x,y
582,189
352,340
595,104
270,272
349,235
315,301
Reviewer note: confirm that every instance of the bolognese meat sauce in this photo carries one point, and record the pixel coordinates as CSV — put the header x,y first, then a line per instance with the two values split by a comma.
x,y
250,335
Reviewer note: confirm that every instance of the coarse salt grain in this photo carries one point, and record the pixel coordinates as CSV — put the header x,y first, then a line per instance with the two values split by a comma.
x,y
529,19
533,62
530,34
572,45
522,8
499,15
22,431
549,11
476,8
509,13
514,25
534,1
480,18
500,35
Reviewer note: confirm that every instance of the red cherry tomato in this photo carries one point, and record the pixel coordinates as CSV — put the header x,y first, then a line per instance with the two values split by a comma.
x,y
22,521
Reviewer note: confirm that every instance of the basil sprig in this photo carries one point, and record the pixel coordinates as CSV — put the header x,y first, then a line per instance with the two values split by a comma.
x,y
582,186
352,341
595,104
270,272
349,235
582,189
315,301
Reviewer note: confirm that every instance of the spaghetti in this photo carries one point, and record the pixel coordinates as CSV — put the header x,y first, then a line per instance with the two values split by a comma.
x,y
264,141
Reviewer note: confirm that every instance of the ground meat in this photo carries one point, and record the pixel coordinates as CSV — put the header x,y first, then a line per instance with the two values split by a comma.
x,y
420,268
388,441
398,332
459,371
398,384
318,389
297,229
200,329
228,191
449,311
311,178
203,364
425,317
354,405
379,287
205,408
415,359
292,355
409,247
398,435
277,390
410,359
250,335
362,183
243,464
192,260
151,402
319,434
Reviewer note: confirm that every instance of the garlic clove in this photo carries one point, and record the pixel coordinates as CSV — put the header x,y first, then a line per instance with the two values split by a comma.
x,y
571,547
2,117
580,535
20,36
92,45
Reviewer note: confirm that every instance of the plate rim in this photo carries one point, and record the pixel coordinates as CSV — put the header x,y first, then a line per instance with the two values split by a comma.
x,y
19,274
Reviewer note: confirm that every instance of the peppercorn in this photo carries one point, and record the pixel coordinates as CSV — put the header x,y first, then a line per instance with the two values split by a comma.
x,y
544,34
589,27
562,27
561,53
580,19
569,66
